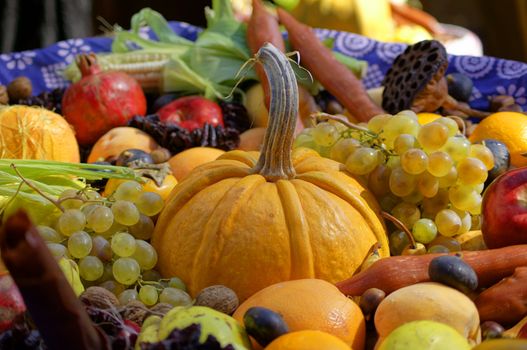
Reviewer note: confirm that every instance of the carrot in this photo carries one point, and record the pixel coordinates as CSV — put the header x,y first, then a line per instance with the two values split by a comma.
x,y
263,28
407,14
390,274
332,74
506,301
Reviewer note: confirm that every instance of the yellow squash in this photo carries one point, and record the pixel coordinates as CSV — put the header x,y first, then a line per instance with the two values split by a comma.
x,y
249,220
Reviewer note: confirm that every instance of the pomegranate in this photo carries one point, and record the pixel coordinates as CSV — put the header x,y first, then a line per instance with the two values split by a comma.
x,y
11,302
101,101
191,112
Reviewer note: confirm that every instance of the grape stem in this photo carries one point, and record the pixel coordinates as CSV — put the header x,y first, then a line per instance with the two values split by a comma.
x,y
36,189
340,119
400,226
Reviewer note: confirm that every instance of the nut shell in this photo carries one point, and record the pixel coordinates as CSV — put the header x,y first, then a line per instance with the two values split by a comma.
x,y
135,311
218,297
99,297
19,88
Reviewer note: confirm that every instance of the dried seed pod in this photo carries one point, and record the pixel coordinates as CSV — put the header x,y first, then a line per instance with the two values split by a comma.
x,y
500,101
218,297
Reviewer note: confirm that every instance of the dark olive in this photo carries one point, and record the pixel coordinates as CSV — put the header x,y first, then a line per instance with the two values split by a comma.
x,y
502,158
491,330
131,155
459,86
370,299
453,271
264,325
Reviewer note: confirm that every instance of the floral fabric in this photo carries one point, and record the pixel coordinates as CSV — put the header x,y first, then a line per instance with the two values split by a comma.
x,y
491,76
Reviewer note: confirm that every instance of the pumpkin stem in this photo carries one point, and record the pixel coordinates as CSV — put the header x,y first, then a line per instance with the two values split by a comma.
x,y
87,64
275,159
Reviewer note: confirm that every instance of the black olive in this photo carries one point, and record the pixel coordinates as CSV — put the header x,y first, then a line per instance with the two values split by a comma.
x,y
502,159
264,325
459,86
132,154
454,272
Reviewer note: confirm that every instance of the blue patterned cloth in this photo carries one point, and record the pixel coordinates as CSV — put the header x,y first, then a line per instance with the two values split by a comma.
x,y
491,76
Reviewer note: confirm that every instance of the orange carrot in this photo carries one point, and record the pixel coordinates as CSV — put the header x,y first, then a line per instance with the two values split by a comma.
x,y
263,28
390,274
406,14
332,74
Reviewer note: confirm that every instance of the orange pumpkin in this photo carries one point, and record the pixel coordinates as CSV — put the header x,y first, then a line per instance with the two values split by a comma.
x,y
36,133
307,340
120,139
248,222
312,304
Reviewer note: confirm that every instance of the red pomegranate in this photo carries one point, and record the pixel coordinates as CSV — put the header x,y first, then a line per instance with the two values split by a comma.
x,y
100,101
11,302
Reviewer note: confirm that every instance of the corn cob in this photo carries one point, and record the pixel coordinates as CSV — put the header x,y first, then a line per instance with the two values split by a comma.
x,y
146,67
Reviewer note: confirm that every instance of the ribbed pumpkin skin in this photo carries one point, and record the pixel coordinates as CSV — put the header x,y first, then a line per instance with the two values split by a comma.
x,y
224,225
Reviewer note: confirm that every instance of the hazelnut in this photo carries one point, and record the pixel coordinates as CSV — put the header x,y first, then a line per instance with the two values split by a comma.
x,y
135,311
99,297
20,88
511,108
4,97
218,297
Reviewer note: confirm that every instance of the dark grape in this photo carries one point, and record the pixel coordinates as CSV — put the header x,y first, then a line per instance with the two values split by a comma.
x,y
133,155
51,100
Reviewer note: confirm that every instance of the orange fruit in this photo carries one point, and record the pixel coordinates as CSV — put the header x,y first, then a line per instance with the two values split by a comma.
x,y
425,118
36,133
311,304
120,139
183,162
149,186
307,340
509,128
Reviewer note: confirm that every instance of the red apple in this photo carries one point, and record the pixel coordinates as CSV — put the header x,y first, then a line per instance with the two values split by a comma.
x,y
191,112
504,210
11,302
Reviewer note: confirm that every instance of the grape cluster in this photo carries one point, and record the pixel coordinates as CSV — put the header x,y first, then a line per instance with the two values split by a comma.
x,y
51,100
429,177
108,238
177,139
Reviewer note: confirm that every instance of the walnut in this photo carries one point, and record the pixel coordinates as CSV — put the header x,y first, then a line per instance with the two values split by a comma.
x,y
160,309
99,297
218,297
135,311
